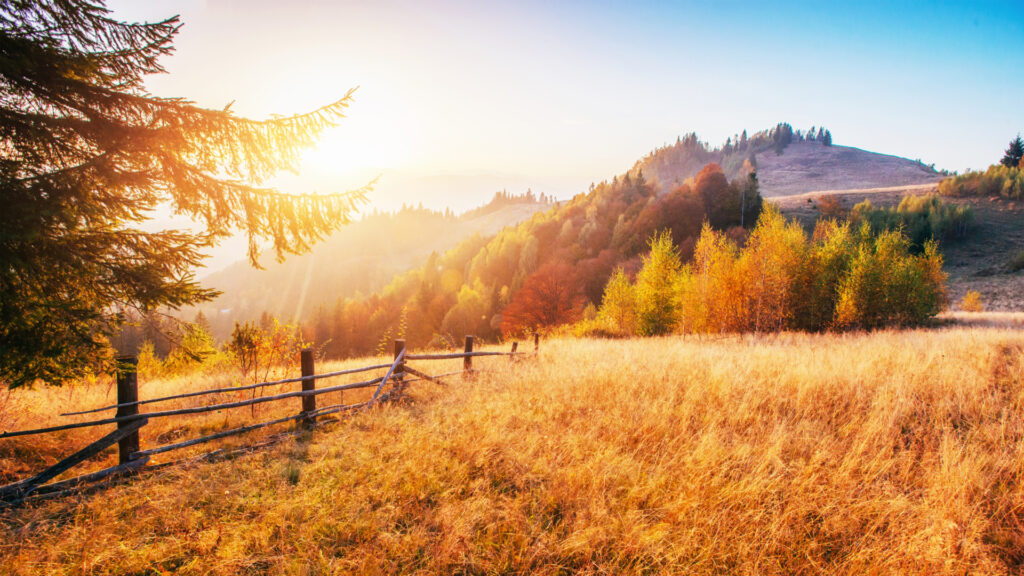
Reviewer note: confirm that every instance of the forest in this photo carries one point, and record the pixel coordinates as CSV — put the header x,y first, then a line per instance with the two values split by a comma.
x,y
572,249
583,265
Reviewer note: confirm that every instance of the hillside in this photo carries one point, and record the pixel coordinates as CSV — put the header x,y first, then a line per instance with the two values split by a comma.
x,y
809,166
359,258
894,452
572,248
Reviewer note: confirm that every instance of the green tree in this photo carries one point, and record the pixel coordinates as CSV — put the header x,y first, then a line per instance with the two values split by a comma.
x,y
88,154
1014,153
887,285
750,195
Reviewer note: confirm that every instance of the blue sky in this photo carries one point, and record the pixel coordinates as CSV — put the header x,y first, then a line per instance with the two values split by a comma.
x,y
459,99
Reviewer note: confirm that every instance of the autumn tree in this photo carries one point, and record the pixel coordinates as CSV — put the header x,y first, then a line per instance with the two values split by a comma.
x,y
618,306
656,302
549,297
729,203
713,187
88,154
770,265
886,286
681,211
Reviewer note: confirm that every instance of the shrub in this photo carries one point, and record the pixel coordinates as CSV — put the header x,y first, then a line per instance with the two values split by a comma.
x,y
971,302
998,180
195,348
922,218
258,352
830,207
1017,262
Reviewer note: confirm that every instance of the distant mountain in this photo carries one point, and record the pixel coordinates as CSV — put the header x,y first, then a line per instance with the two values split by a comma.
x,y
360,258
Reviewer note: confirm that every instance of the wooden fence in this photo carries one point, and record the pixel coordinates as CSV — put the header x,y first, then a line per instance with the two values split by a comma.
x,y
129,420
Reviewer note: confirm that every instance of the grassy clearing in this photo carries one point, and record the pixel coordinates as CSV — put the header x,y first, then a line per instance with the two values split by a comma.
x,y
892,452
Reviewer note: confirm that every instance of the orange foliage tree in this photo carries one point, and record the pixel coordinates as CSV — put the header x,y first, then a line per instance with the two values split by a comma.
x,y
549,297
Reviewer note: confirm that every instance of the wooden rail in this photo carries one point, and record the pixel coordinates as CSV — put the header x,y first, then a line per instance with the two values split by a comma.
x,y
129,420
231,389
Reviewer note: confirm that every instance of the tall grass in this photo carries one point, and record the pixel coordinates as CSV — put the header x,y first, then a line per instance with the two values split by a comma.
x,y
897,452
42,407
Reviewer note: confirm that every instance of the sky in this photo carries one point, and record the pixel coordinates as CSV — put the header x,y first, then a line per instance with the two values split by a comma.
x,y
457,100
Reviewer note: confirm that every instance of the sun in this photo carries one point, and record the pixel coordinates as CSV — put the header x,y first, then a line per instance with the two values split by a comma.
x,y
369,140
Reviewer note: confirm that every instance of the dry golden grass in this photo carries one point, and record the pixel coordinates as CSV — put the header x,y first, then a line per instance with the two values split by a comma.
x,y
42,407
887,453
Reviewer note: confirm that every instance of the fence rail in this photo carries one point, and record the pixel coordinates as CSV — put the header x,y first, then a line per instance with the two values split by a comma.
x,y
129,420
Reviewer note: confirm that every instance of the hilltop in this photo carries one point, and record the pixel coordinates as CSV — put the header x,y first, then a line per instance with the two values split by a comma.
x,y
809,166
787,162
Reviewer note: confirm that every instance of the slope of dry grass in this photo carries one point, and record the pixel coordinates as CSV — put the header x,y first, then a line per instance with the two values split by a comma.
x,y
893,452
807,166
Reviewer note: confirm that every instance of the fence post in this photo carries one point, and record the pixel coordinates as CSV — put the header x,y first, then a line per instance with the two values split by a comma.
x,y
127,391
400,369
536,342
512,356
308,384
467,362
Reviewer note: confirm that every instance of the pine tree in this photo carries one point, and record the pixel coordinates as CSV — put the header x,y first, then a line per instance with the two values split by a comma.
x,y
88,153
1014,153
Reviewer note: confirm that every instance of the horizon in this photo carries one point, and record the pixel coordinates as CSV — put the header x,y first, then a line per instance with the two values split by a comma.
x,y
458,101
557,97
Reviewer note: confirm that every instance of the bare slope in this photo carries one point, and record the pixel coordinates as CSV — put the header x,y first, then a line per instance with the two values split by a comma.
x,y
809,166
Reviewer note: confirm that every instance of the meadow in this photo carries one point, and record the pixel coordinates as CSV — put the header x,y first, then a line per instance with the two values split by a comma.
x,y
884,452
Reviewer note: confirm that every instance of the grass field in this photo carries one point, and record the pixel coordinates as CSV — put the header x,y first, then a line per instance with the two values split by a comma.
x,y
885,453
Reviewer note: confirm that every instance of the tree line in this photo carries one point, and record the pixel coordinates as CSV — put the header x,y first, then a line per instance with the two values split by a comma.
x,y
1004,179
541,273
840,277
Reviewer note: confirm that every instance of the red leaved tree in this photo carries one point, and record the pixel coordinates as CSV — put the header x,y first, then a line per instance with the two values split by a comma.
x,y
549,297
